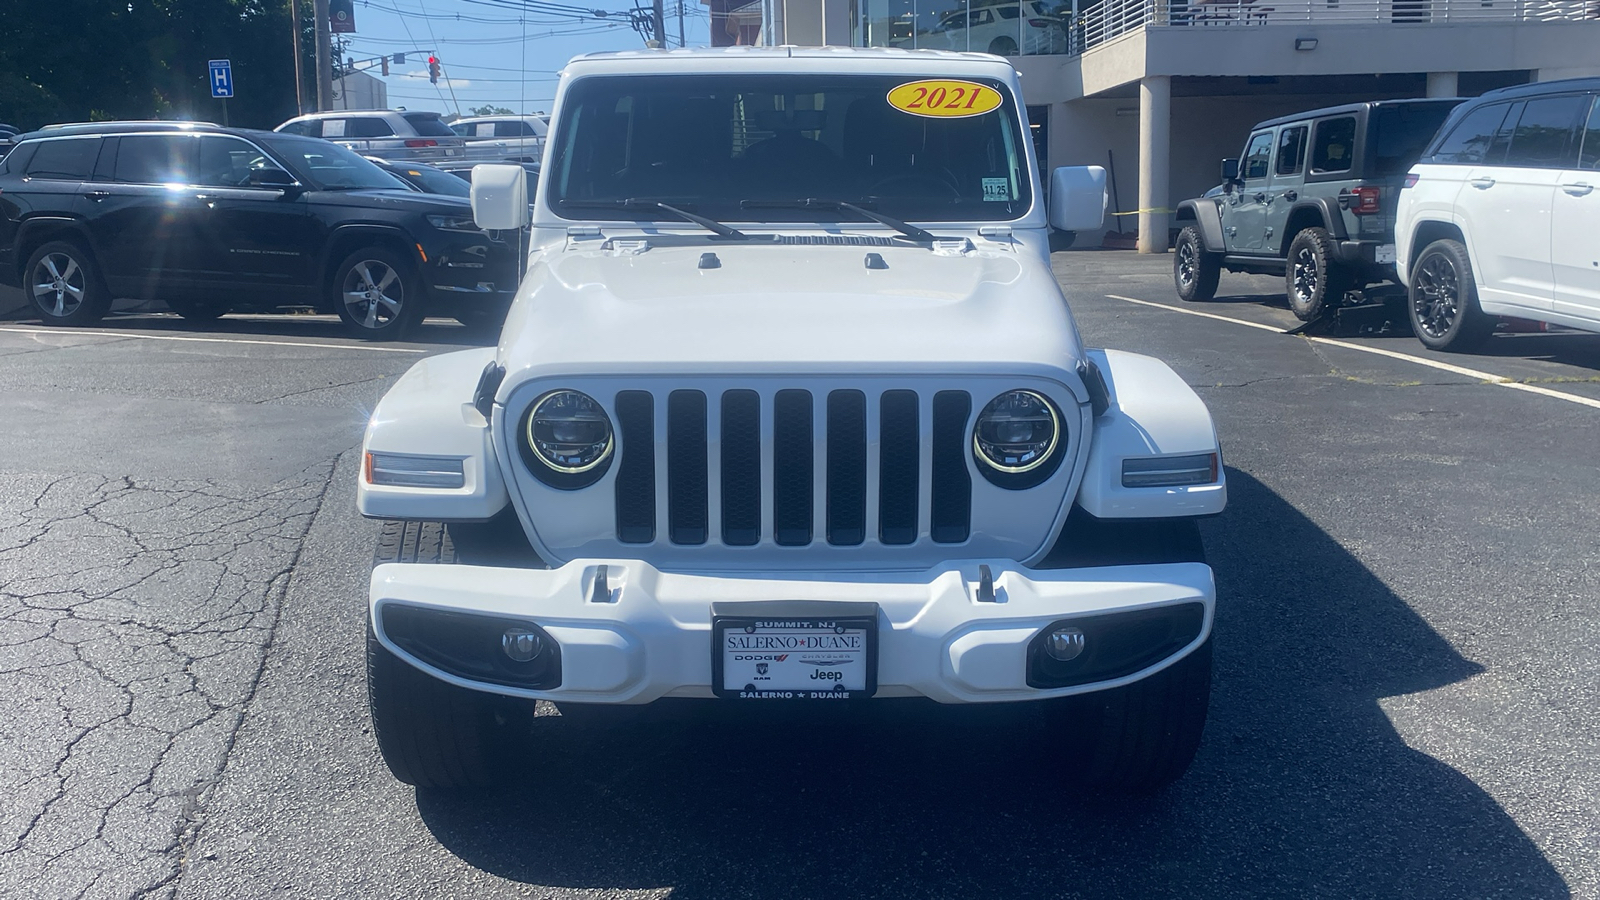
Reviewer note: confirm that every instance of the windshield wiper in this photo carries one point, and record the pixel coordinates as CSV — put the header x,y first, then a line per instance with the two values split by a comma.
x,y
905,228
711,225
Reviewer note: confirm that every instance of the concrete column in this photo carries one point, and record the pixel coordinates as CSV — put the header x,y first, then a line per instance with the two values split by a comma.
x,y
1155,145
1442,84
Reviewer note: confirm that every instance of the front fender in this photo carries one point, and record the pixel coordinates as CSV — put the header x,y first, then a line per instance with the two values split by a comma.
x,y
1152,413
430,412
1207,219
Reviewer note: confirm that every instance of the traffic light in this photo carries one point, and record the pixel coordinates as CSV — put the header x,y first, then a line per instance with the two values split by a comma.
x,y
386,67
433,70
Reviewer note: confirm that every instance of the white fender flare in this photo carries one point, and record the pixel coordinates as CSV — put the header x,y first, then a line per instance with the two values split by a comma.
x,y
429,415
1152,413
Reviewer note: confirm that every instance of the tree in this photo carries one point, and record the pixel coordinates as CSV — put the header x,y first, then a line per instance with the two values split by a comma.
x,y
489,111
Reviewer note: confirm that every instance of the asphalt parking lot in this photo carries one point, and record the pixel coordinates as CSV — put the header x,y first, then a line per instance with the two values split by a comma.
x,y
1406,662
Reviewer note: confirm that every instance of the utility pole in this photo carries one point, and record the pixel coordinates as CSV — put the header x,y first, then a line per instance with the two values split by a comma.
x,y
299,77
681,42
660,19
324,57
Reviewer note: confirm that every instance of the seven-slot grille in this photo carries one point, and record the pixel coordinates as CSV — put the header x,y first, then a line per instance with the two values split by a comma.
x,y
785,510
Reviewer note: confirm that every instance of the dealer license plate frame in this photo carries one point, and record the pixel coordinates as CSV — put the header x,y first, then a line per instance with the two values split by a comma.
x,y
851,615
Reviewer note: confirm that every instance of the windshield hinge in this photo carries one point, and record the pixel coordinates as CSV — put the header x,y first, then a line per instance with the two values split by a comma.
x,y
995,231
583,231
626,247
951,247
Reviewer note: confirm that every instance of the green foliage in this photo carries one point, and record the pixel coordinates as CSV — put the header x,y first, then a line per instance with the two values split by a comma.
x,y
489,111
78,60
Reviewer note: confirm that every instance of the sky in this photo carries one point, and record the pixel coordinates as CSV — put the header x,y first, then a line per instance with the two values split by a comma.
x,y
482,51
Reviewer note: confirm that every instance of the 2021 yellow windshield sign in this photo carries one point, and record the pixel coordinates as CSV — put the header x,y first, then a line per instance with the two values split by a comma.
x,y
941,99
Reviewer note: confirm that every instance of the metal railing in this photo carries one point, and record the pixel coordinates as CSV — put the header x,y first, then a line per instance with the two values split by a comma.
x,y
1113,18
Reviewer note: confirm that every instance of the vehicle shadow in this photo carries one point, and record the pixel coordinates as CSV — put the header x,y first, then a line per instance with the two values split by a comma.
x,y
295,327
1302,787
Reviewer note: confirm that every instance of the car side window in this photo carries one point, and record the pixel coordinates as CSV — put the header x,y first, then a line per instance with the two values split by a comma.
x,y
1333,145
1589,158
1545,132
155,159
509,129
67,160
485,129
333,128
1291,150
1469,141
1257,156
307,128
367,128
462,129
228,161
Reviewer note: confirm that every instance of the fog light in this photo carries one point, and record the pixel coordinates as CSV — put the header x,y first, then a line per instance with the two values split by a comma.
x,y
522,645
1064,644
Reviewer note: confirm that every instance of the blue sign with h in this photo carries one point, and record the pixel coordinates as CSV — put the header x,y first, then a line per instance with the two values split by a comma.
x,y
221,78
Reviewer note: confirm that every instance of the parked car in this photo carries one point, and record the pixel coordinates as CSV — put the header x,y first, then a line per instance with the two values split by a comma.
x,y
502,138
8,138
1311,199
396,135
846,448
1000,29
213,220
1501,216
427,179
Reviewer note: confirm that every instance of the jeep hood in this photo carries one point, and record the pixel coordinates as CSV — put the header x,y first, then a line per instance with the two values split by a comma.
x,y
719,307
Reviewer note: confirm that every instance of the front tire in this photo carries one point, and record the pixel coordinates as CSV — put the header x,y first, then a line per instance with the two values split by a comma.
x,y
1313,281
377,294
1146,734
1195,272
430,733
64,285
1443,299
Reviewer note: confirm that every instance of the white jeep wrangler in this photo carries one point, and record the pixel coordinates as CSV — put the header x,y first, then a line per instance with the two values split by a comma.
x,y
790,409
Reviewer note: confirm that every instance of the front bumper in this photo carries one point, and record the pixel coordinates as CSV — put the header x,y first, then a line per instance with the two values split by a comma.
x,y
647,635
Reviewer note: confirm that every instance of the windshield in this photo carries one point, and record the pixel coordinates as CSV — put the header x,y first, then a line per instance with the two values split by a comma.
x,y
330,167
435,181
719,145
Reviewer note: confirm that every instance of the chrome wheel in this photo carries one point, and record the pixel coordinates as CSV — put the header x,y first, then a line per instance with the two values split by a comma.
x,y
1436,304
373,293
1186,263
1307,274
58,284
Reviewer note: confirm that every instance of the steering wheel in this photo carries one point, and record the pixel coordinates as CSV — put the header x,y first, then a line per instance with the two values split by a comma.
x,y
949,190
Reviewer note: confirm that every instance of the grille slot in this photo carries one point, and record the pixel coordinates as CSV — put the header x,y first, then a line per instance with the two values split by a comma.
x,y
951,499
687,479
899,459
741,468
847,468
792,468
636,473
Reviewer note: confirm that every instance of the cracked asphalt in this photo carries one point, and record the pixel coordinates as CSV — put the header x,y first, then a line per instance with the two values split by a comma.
x,y
1406,662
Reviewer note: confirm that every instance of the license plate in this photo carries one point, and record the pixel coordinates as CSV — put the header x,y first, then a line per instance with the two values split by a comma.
x,y
812,657
1384,253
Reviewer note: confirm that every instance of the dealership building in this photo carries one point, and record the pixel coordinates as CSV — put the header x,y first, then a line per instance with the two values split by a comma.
x,y
1160,91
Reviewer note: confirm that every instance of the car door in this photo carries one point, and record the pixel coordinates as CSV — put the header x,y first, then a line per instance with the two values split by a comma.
x,y
256,242
1575,221
1288,178
143,213
1244,214
1507,206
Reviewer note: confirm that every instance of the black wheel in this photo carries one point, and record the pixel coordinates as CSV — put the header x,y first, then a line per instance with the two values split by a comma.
x,y
431,734
198,310
1194,271
64,285
1003,46
1312,279
1443,299
377,294
1146,734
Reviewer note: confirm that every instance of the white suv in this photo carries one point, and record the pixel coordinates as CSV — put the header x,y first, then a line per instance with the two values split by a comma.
x,y
502,138
1500,215
395,135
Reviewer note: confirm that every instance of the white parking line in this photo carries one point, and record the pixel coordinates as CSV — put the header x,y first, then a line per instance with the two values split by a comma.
x,y
203,340
1485,377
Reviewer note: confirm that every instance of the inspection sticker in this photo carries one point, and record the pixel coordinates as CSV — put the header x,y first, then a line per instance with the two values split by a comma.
x,y
943,99
996,189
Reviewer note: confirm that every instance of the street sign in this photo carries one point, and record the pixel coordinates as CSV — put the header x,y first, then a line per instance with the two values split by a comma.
x,y
221,78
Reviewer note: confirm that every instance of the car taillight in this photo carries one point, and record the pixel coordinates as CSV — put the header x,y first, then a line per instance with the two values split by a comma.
x,y
1365,201
1411,180
422,143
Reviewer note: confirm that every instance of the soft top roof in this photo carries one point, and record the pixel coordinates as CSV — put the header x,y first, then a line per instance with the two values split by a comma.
x,y
1357,107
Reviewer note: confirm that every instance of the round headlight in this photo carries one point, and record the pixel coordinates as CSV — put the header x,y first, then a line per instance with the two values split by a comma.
x,y
569,432
1017,432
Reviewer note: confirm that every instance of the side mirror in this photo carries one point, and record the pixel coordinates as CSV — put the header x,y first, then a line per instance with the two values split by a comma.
x,y
500,197
1078,198
1230,170
271,177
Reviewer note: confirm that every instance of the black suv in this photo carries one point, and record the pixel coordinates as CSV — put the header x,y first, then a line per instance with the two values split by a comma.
x,y
213,220
1313,200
